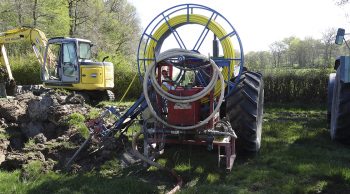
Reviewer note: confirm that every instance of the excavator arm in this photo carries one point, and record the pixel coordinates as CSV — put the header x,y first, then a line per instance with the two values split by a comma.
x,y
36,37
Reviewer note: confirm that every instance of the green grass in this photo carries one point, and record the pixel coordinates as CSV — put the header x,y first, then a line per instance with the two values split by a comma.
x,y
64,183
115,103
3,135
78,121
297,156
30,143
94,113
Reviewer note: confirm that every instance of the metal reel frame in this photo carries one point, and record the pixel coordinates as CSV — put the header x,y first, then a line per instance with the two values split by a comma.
x,y
188,10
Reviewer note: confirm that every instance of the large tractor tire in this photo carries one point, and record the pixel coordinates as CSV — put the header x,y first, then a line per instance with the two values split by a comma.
x,y
340,114
244,108
330,96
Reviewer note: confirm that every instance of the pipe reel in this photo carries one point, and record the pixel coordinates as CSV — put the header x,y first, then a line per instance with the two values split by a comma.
x,y
176,23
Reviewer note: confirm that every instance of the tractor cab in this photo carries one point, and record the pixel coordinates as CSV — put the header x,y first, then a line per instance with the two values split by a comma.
x,y
342,61
62,59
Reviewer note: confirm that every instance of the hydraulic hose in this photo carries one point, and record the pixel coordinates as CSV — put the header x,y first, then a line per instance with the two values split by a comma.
x,y
163,31
175,53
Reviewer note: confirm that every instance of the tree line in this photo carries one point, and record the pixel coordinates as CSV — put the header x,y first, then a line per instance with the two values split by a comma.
x,y
293,52
112,25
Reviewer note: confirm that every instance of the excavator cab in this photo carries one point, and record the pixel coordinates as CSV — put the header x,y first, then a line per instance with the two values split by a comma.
x,y
68,64
62,59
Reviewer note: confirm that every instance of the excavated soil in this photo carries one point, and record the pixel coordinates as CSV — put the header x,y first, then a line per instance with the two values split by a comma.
x,y
34,128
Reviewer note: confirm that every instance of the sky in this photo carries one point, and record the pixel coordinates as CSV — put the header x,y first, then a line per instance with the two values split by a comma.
x,y
259,23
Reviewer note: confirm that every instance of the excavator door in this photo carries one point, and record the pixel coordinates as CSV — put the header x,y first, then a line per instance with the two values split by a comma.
x,y
69,63
61,62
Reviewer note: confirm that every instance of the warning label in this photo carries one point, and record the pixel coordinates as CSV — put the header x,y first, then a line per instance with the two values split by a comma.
x,y
182,106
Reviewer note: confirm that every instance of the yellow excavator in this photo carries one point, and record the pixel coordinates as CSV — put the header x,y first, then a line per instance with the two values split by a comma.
x,y
65,63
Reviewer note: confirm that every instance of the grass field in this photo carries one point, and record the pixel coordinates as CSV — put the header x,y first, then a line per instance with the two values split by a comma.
x,y
297,156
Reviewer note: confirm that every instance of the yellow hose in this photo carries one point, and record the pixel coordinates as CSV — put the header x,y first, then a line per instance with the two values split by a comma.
x,y
127,90
213,26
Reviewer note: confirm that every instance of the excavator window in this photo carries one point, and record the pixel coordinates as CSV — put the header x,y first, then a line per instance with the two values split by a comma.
x,y
84,50
52,61
69,59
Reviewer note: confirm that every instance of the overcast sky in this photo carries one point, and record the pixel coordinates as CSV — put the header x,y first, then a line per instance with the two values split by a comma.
x,y
261,22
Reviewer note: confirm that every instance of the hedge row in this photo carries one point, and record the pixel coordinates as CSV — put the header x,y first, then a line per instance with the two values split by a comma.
x,y
305,86
283,86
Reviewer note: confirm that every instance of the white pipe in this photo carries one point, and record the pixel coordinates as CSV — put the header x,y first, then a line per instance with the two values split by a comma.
x,y
180,52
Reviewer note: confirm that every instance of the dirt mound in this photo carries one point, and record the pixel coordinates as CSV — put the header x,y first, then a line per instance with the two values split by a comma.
x,y
14,110
3,149
34,128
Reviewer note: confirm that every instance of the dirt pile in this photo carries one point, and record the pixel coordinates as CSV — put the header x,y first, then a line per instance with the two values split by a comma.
x,y
4,143
34,128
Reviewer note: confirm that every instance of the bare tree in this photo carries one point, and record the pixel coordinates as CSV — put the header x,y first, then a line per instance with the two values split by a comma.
x,y
38,11
328,40
277,48
78,12
18,4
342,2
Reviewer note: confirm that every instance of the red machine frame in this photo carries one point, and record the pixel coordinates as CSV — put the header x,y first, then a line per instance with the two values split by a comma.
x,y
159,135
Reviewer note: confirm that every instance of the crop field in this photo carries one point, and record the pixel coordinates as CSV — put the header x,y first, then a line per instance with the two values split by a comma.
x,y
297,156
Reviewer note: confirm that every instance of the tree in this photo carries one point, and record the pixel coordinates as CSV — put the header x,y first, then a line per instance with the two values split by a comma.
x,y
126,30
277,49
12,12
342,2
50,16
79,14
251,60
328,38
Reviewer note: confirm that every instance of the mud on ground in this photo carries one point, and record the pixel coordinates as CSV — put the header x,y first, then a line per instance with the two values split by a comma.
x,y
34,128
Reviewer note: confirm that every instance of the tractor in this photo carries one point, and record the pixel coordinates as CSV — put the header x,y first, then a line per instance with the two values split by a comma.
x,y
338,111
195,89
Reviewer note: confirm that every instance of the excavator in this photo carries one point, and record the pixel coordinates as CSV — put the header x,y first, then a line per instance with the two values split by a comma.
x,y
65,63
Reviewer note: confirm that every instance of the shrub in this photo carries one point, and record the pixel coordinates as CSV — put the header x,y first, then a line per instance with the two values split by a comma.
x,y
122,80
306,86
26,69
125,69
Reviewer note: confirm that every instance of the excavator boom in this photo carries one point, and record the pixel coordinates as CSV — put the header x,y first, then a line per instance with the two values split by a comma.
x,y
36,37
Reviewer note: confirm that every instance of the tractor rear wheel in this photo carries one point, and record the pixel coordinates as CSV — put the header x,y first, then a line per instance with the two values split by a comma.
x,y
244,108
330,96
340,122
